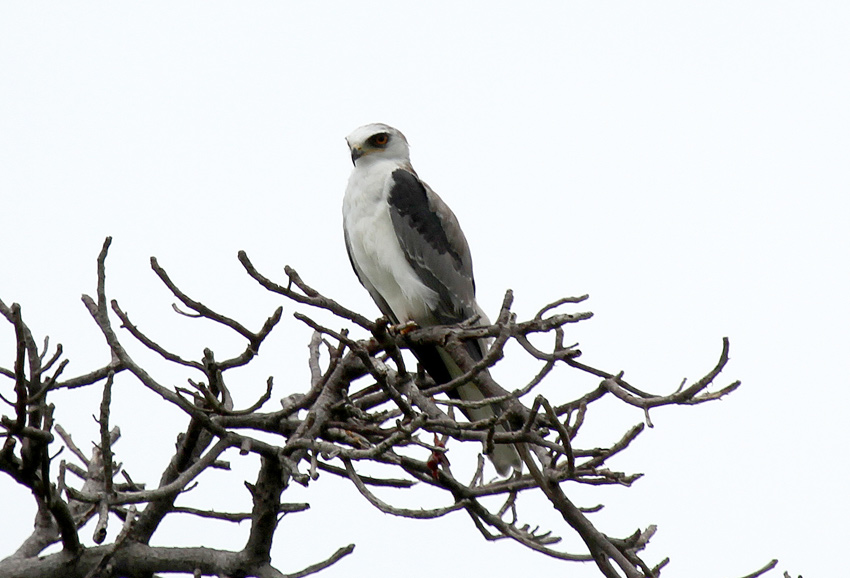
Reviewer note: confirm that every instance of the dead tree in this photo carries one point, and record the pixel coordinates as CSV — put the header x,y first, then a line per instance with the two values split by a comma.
x,y
363,406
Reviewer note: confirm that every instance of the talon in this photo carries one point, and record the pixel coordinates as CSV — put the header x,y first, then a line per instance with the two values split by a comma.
x,y
404,328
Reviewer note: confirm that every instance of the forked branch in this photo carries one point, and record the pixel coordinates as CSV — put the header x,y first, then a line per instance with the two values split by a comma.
x,y
365,415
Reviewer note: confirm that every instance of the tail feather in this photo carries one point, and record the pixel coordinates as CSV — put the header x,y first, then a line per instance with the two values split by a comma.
x,y
505,456
442,369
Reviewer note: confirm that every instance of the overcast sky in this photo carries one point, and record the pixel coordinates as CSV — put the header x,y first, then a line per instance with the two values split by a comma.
x,y
686,164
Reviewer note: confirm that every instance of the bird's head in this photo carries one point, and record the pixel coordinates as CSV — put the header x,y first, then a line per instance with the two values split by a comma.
x,y
377,141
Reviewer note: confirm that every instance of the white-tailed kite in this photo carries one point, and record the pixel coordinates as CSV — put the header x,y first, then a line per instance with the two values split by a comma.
x,y
408,250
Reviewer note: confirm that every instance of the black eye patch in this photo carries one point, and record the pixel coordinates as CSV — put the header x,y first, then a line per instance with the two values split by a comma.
x,y
379,140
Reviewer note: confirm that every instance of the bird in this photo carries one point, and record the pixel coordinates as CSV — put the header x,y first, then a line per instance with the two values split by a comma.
x,y
409,252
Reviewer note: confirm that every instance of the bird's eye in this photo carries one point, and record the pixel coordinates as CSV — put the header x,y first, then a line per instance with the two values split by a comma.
x,y
380,139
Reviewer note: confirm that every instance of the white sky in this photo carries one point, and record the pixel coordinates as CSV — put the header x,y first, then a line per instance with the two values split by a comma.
x,y
684,163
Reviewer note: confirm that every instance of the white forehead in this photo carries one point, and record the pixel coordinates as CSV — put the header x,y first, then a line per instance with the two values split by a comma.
x,y
359,135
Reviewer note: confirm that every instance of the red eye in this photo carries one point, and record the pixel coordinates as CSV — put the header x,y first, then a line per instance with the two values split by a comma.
x,y
381,139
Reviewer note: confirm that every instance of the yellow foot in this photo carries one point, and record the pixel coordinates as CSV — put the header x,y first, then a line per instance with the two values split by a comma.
x,y
404,328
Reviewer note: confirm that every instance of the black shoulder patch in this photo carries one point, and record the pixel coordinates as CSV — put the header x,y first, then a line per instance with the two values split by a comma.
x,y
409,198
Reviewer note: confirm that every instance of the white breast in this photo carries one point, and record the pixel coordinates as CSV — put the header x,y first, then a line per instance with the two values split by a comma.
x,y
375,247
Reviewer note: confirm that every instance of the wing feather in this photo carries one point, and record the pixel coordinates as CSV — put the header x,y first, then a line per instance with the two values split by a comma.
x,y
434,245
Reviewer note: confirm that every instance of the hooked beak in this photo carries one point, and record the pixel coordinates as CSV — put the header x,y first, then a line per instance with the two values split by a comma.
x,y
356,153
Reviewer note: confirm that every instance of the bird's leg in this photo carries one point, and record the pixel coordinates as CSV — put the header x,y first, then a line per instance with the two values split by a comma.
x,y
438,457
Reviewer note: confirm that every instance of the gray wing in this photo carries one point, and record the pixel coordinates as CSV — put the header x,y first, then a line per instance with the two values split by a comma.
x,y
432,241
436,248
376,297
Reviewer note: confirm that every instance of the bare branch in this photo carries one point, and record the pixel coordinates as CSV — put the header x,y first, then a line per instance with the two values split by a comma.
x,y
387,509
309,296
336,557
202,309
763,570
361,405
